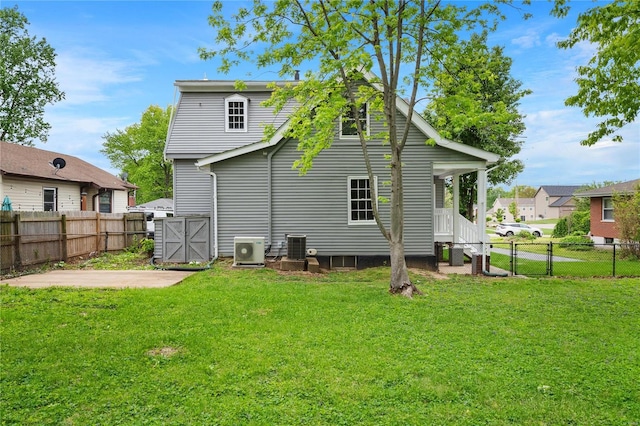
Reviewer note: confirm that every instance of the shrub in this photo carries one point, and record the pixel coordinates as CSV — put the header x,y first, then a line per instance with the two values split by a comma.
x,y
561,229
579,221
147,245
576,243
526,235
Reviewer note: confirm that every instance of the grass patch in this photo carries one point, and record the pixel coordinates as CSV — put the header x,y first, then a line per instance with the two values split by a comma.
x,y
259,347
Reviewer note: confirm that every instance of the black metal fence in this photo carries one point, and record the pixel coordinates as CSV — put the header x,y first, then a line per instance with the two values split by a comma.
x,y
567,259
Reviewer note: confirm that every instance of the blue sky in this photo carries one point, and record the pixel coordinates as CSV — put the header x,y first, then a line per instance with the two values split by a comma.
x,y
115,58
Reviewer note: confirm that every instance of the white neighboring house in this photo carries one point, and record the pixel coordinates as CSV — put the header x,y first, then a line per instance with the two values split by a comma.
x,y
526,209
160,208
37,180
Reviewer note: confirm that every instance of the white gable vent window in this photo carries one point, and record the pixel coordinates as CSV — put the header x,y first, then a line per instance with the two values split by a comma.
x,y
235,113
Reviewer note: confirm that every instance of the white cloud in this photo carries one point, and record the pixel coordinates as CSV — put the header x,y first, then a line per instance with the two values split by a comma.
x,y
85,77
527,41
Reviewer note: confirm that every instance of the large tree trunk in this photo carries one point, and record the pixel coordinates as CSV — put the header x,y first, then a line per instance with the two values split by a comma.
x,y
400,282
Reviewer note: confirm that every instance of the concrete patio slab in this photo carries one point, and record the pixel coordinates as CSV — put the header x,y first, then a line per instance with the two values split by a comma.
x,y
100,279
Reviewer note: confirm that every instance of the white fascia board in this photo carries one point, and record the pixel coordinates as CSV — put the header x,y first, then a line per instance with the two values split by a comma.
x,y
226,85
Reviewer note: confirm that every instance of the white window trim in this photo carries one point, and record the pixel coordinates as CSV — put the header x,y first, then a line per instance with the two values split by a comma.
x,y
55,198
236,98
375,185
367,124
611,209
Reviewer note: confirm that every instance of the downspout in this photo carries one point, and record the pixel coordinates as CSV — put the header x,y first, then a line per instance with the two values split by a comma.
x,y
214,214
269,191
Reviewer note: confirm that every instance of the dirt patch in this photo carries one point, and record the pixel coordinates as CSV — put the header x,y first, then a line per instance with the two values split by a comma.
x,y
165,352
429,274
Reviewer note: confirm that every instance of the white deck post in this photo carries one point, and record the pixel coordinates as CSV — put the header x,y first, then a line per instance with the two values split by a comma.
x,y
482,213
456,209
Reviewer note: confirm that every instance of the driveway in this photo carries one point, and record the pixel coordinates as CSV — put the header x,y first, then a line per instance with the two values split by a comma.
x,y
100,279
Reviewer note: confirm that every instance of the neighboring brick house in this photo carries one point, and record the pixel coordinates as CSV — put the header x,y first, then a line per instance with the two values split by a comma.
x,y
554,202
30,180
526,209
603,225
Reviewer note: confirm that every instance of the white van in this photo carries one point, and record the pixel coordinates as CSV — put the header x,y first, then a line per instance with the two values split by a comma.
x,y
151,215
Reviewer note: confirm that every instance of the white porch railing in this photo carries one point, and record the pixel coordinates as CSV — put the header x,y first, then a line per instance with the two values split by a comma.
x,y
443,227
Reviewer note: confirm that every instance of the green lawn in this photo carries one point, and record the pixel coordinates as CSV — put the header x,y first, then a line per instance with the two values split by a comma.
x,y
230,347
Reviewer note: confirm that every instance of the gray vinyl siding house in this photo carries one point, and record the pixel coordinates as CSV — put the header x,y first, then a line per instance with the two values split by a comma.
x,y
248,188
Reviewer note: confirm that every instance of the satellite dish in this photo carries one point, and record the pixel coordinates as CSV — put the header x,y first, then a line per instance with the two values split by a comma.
x,y
59,163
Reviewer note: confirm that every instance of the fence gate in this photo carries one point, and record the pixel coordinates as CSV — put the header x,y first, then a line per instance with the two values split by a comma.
x,y
185,239
532,262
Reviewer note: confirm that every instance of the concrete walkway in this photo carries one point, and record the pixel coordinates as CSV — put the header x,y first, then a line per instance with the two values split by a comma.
x,y
100,279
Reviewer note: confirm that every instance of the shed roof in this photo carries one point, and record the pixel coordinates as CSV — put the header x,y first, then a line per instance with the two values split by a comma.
x,y
26,161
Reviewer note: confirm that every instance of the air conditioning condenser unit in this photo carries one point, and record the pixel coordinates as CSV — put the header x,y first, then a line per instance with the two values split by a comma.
x,y
248,251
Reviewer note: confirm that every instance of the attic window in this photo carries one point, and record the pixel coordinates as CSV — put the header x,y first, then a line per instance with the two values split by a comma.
x,y
235,113
348,129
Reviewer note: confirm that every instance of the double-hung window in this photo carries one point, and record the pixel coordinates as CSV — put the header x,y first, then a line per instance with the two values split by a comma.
x,y
607,209
361,200
104,200
50,199
348,128
235,113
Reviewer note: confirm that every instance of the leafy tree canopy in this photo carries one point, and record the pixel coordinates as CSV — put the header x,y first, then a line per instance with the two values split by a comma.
x,y
396,40
609,85
138,150
27,81
476,102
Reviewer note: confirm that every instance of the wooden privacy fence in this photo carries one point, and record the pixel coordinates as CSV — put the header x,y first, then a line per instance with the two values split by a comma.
x,y
32,238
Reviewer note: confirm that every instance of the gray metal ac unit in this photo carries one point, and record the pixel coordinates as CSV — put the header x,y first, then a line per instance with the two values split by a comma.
x,y
296,247
248,251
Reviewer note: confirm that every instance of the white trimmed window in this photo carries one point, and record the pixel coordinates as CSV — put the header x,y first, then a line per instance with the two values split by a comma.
x,y
235,113
104,201
348,128
50,199
607,209
360,200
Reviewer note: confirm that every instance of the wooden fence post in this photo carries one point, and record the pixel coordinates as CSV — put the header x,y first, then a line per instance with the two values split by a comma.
x,y
97,250
63,237
18,258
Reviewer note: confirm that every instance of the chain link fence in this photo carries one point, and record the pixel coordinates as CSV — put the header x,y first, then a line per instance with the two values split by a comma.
x,y
566,259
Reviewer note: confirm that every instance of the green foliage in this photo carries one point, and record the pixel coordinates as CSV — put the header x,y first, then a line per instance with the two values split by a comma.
x,y
349,42
526,235
576,243
230,347
27,81
609,85
580,222
142,246
493,193
139,151
561,229
499,215
577,223
521,191
626,210
476,103
513,209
